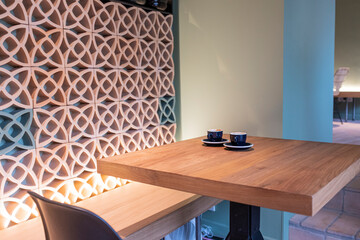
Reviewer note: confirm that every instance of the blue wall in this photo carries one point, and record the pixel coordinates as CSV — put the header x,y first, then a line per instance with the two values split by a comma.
x,y
309,37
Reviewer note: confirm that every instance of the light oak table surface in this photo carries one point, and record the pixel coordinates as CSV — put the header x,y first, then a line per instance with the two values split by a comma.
x,y
135,211
349,94
287,175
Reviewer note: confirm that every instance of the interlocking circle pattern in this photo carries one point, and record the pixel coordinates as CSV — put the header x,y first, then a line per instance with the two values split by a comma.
x,y
79,81
14,89
167,110
13,12
13,49
15,131
49,126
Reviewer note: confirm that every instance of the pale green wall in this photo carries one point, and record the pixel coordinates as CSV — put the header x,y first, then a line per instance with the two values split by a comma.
x,y
347,41
231,55
229,75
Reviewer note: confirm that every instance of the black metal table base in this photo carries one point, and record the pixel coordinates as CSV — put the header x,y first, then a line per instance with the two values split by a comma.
x,y
244,222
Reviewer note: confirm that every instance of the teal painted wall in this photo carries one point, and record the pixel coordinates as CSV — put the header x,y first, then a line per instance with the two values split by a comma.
x,y
176,57
218,220
309,33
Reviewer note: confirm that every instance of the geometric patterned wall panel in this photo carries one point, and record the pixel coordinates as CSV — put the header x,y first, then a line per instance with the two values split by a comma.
x,y
46,86
15,131
79,81
14,89
166,110
13,49
49,125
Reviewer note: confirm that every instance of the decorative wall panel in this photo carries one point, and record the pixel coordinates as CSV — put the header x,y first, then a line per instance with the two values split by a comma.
x,y
79,81
13,49
15,131
167,110
49,125
46,86
14,90
77,50
13,12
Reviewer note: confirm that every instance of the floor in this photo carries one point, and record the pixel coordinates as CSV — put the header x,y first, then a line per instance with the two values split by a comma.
x,y
348,133
340,218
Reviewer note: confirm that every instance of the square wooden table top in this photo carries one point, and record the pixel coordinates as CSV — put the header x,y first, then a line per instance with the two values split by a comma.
x,y
287,175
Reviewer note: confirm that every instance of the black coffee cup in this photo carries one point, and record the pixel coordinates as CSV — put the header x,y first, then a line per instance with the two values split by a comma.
x,y
238,138
215,135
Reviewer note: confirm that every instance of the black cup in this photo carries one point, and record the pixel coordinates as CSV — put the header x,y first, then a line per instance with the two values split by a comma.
x,y
159,4
215,135
238,138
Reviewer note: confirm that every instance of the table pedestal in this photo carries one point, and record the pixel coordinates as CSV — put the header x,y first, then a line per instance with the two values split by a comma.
x,y
244,222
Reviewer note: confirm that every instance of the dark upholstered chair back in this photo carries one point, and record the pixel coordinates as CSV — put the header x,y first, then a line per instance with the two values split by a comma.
x,y
67,222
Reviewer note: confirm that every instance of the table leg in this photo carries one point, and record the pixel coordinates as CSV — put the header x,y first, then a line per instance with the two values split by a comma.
x,y
354,106
198,228
346,109
244,222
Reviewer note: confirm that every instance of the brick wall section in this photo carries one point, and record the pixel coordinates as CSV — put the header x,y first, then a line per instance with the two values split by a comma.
x,y
339,219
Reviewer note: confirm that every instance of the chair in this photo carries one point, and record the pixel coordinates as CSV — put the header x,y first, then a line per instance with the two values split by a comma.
x,y
67,222
339,78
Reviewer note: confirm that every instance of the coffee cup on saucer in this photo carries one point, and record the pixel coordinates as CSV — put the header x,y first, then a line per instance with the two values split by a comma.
x,y
215,135
238,138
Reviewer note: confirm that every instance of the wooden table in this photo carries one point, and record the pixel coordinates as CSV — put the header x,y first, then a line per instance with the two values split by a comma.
x,y
349,94
287,175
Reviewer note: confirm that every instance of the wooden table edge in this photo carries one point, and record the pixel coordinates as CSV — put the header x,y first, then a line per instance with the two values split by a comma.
x,y
150,176
125,232
334,186
348,95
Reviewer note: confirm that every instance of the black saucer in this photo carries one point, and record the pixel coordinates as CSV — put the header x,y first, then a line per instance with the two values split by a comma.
x,y
211,143
235,147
